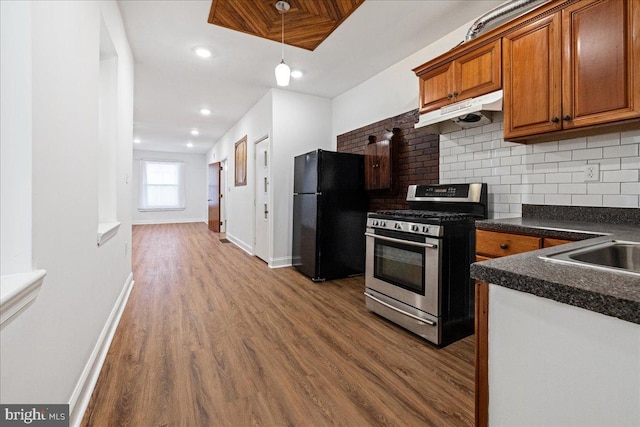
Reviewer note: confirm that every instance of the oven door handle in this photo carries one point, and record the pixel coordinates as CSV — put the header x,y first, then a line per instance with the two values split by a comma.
x,y
419,319
406,242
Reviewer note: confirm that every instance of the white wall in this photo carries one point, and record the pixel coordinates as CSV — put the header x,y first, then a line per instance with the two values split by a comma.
x,y
46,350
552,364
195,173
301,123
240,211
15,75
296,124
392,92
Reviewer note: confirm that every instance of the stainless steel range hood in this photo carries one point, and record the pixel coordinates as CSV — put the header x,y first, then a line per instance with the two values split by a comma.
x,y
464,114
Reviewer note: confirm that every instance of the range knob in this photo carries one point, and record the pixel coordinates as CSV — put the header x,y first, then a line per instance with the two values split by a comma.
x,y
374,222
398,226
414,227
383,223
425,229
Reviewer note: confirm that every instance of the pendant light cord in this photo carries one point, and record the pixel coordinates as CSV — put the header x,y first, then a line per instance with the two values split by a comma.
x,y
282,14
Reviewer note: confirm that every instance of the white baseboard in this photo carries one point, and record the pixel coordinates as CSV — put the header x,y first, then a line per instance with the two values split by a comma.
x,y
167,221
239,243
84,388
281,262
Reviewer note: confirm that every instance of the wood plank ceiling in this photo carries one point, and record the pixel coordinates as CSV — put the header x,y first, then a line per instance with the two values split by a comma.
x,y
306,24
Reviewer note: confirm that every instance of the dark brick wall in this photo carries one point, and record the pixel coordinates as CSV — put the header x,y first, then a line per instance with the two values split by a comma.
x,y
416,151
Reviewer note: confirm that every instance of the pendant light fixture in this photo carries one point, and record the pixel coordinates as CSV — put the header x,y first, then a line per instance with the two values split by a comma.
x,y
283,72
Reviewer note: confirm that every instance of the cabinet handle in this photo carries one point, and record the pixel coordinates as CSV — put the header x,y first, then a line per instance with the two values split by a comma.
x,y
455,93
450,96
566,118
503,246
555,120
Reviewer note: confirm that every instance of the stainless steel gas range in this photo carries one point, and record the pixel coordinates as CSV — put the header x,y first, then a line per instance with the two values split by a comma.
x,y
417,260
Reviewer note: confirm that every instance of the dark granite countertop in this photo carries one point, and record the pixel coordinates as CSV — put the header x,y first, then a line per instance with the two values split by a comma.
x,y
608,292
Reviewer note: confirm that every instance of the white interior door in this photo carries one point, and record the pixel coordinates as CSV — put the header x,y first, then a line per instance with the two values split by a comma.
x,y
262,206
223,196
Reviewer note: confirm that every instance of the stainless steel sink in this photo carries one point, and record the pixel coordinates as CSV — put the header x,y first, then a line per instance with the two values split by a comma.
x,y
613,255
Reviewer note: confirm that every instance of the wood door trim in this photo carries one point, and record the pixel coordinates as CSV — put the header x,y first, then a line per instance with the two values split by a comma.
x,y
482,354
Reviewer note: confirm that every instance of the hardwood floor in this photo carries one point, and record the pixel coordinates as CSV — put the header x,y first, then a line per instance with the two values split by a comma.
x,y
212,337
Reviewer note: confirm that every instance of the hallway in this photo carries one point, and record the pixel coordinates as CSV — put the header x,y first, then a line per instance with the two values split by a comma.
x,y
211,336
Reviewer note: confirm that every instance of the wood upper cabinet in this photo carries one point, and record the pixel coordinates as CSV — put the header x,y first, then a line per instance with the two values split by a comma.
x,y
575,68
465,75
377,165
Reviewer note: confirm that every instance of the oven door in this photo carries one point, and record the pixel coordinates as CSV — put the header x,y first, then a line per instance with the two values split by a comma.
x,y
405,267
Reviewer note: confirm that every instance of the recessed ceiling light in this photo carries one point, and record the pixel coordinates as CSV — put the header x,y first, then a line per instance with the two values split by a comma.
x,y
190,144
296,74
136,141
202,52
205,111
195,132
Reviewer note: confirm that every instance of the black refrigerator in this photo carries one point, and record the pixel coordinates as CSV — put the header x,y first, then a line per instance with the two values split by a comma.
x,y
329,214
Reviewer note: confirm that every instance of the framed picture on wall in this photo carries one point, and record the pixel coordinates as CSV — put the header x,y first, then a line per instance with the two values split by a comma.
x,y
241,162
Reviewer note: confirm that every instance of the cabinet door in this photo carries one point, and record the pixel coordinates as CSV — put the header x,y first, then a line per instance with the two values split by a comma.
x,y
377,163
478,72
371,176
436,88
598,62
532,73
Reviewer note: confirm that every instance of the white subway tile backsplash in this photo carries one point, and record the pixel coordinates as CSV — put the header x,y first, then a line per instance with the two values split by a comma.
x,y
480,155
587,154
534,178
501,152
500,171
630,188
465,157
545,168
573,144
630,175
522,189
620,201
586,200
458,150
630,150
545,188
558,156
533,199
511,160
546,173
572,188
630,163
556,178
458,166
483,137
489,163
557,199
577,166
474,131
511,179
603,188
533,158
490,145
607,164
475,164
521,169
545,147
630,137
603,140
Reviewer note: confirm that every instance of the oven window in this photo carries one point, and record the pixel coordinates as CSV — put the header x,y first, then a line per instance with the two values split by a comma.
x,y
401,265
